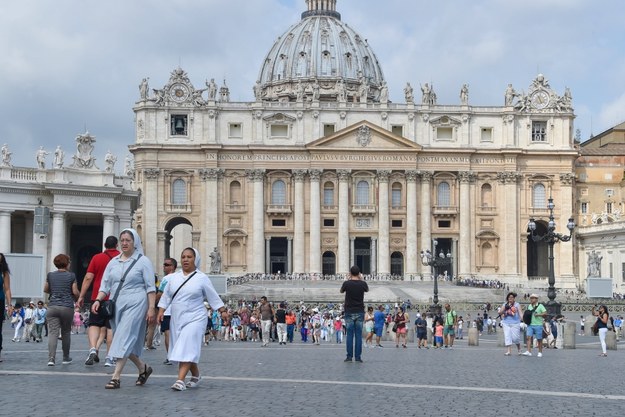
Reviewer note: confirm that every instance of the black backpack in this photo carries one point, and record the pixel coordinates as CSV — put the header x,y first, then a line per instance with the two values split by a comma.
x,y
527,315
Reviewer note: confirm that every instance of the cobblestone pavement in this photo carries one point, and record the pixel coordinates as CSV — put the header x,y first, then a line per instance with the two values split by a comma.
x,y
244,379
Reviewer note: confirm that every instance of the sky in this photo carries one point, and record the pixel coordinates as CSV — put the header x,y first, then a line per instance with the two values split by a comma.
x,y
67,66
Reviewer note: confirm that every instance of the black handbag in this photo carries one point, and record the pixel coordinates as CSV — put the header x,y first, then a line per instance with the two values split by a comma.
x,y
107,307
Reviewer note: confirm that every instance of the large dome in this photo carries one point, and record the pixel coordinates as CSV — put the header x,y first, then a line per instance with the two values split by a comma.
x,y
320,51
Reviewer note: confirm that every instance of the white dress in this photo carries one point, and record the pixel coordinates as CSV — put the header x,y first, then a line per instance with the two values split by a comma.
x,y
188,314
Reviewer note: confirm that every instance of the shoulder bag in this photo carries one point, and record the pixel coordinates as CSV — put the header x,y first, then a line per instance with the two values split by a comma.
x,y
107,307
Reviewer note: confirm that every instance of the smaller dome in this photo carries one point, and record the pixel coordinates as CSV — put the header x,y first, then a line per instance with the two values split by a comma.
x,y
320,58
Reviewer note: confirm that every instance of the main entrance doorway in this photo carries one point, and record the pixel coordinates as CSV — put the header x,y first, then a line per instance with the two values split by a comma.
x,y
362,254
278,259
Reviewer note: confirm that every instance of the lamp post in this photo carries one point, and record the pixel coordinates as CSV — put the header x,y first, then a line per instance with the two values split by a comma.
x,y
551,237
436,262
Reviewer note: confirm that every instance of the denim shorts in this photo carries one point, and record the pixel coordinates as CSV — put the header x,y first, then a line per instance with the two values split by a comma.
x,y
536,331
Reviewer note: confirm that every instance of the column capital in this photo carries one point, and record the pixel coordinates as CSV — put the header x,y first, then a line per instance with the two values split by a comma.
x,y
255,175
508,177
411,175
151,173
567,178
161,236
211,173
315,174
299,175
466,176
383,175
426,176
343,174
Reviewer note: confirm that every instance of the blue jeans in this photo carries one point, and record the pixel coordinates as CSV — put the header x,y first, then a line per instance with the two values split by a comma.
x,y
353,338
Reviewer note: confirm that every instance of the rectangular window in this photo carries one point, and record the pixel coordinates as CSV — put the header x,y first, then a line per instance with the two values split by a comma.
x,y
395,198
584,208
328,196
444,224
611,270
278,222
235,130
328,129
178,124
397,130
328,222
608,208
583,177
623,272
608,176
539,131
396,223
486,134
444,133
584,191
279,131
609,192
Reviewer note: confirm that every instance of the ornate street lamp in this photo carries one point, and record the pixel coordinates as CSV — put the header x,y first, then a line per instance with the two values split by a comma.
x,y
551,237
436,262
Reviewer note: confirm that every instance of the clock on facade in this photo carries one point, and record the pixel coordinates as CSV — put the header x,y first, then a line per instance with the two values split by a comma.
x,y
540,99
179,92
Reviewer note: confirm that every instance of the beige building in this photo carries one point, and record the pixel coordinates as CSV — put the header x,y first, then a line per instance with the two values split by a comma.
x,y
322,170
600,173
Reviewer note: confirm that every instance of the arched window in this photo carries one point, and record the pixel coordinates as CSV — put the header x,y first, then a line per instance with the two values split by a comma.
x,y
443,197
362,192
179,192
487,195
278,192
235,192
539,196
396,195
328,194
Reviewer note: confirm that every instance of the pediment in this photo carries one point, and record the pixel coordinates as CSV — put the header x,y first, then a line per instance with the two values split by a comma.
x,y
364,136
445,121
279,118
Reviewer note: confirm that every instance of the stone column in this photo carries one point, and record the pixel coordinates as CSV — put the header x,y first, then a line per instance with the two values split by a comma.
x,y
564,257
257,178
464,252
315,222
384,264
510,210
150,213
211,177
289,255
108,227
374,256
343,235
161,237
299,245
411,223
5,231
58,244
352,251
426,218
268,254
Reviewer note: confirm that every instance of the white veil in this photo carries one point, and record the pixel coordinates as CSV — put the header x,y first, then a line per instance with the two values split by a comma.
x,y
136,238
197,258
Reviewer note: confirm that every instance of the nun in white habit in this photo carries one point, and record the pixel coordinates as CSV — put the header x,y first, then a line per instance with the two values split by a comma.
x,y
185,293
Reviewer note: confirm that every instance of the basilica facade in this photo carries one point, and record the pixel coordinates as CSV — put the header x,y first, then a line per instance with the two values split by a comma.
x,y
322,171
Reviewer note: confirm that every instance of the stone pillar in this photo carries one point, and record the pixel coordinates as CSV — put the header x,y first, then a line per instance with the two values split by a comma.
x,y
474,338
210,176
411,223
374,247
289,255
161,237
150,213
299,245
58,237
564,257
268,255
108,227
426,218
570,330
5,231
610,340
314,243
384,264
257,178
343,235
464,252
352,251
509,207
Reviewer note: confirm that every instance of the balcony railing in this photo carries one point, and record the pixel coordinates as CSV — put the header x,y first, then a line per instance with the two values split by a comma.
x,y
445,210
279,209
179,208
235,207
359,209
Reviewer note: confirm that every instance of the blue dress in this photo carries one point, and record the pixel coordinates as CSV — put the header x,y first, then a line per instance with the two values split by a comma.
x,y
131,306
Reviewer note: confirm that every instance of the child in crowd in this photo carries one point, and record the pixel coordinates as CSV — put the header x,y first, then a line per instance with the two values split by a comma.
x,y
76,321
438,334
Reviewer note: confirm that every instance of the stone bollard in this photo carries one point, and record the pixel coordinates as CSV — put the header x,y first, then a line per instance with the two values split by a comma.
x,y
610,340
430,337
474,339
410,335
560,339
568,336
500,339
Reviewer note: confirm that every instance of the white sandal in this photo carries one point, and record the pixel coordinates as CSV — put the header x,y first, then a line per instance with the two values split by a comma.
x,y
179,386
193,382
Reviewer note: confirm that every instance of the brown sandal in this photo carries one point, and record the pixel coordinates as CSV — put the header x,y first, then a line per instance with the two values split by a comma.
x,y
113,384
143,376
